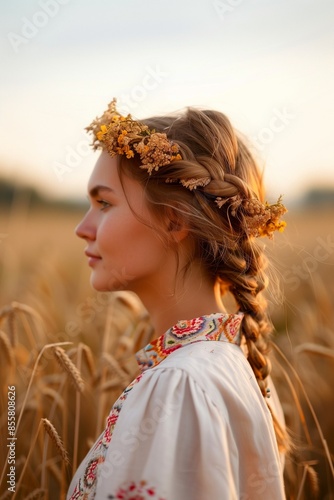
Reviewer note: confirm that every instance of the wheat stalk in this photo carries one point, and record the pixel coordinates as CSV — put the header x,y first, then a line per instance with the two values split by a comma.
x,y
129,300
12,328
112,384
47,346
54,470
80,351
88,356
53,394
51,430
309,404
27,328
32,447
38,494
296,401
45,462
142,334
9,312
27,309
309,347
5,311
27,394
115,366
6,348
311,479
302,483
69,367
7,494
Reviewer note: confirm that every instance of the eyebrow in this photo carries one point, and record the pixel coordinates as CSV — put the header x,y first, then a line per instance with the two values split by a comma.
x,y
94,191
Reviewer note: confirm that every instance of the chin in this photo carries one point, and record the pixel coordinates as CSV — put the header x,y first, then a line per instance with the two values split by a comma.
x,y
98,284
103,285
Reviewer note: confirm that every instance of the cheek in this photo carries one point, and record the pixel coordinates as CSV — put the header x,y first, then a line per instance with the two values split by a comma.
x,y
126,240
147,250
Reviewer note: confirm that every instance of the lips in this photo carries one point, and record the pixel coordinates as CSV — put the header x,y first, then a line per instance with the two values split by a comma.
x,y
90,254
92,258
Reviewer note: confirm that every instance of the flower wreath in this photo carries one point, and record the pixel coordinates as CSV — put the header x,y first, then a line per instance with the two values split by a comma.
x,y
122,135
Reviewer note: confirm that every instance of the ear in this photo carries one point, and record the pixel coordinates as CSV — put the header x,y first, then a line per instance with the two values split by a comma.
x,y
176,225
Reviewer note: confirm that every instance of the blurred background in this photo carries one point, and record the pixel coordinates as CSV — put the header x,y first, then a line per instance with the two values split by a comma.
x,y
267,64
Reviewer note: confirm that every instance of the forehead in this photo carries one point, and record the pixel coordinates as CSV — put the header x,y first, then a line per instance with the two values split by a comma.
x,y
105,172
106,175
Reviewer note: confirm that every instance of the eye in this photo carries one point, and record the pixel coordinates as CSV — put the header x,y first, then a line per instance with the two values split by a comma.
x,y
104,204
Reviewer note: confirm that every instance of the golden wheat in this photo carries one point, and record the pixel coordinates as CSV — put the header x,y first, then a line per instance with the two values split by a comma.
x,y
6,495
6,348
37,494
51,430
310,348
88,357
55,296
70,368
114,367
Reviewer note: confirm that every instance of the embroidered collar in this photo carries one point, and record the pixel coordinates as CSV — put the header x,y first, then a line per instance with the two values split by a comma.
x,y
219,326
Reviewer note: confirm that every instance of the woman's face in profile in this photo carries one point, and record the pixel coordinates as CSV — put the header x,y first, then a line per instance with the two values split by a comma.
x,y
124,251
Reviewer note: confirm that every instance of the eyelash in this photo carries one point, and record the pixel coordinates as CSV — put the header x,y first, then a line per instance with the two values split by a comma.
x,y
104,204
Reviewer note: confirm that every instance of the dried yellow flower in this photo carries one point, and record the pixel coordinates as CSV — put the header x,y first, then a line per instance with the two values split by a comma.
x,y
264,220
123,135
195,183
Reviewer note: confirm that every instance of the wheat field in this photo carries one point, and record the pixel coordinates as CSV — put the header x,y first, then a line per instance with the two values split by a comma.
x,y
67,352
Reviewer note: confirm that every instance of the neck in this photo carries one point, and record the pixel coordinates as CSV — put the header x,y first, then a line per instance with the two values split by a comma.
x,y
191,297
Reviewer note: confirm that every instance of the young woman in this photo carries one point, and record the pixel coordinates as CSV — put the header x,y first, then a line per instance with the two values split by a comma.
x,y
176,207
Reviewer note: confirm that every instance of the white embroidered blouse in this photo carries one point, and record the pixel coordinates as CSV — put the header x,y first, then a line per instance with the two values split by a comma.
x,y
192,426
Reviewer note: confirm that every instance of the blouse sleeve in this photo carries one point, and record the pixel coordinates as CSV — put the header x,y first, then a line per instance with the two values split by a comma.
x,y
172,442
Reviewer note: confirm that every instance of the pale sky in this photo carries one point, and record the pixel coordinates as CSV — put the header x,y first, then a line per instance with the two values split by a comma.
x,y
267,64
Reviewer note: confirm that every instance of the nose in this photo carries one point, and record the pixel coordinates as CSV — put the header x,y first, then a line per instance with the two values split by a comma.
x,y
85,229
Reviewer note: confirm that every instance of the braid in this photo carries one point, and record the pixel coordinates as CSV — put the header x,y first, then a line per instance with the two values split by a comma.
x,y
247,287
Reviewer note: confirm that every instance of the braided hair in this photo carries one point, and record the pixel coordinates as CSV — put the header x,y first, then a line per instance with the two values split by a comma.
x,y
212,150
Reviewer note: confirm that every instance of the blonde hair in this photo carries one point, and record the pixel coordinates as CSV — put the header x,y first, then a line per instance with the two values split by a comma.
x,y
210,147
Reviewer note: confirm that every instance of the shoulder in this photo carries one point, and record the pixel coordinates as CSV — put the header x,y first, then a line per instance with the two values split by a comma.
x,y
214,357
212,363
217,371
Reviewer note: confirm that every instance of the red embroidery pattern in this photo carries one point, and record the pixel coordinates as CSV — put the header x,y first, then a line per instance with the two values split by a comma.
x,y
86,486
184,328
222,327
135,491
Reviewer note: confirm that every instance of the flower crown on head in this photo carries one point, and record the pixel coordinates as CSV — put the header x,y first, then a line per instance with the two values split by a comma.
x,y
122,135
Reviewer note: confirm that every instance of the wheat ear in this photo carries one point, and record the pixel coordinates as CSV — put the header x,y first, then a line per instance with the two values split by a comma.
x,y
47,346
51,430
88,357
69,367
